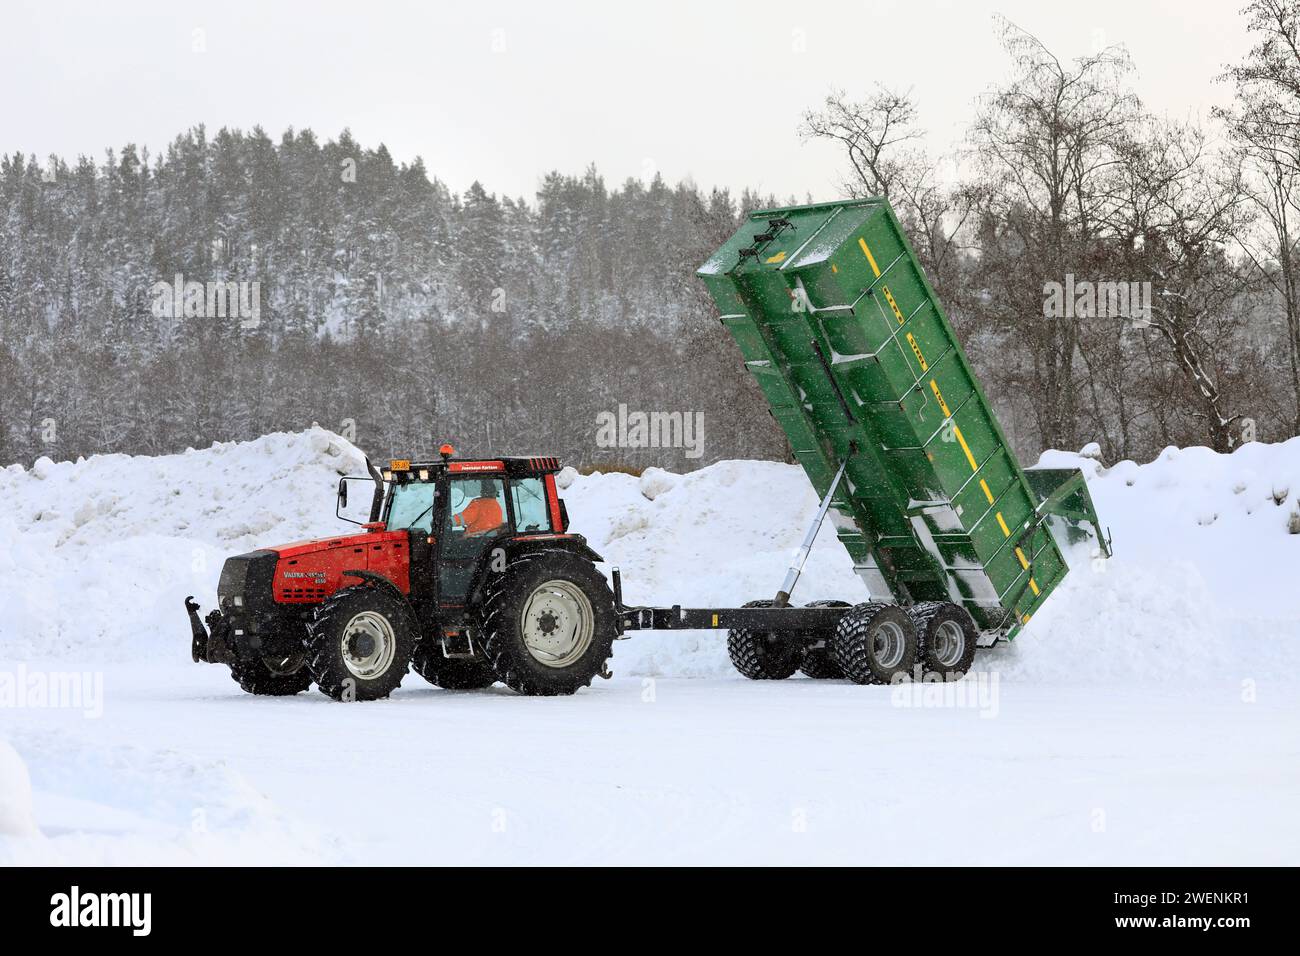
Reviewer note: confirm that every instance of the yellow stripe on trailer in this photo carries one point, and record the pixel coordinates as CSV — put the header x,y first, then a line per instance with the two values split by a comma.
x,y
1002,522
916,350
966,448
779,257
1024,563
1034,584
870,258
987,494
889,297
943,406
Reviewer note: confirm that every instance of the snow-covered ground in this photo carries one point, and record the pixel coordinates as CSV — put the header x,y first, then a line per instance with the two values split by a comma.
x,y
1150,713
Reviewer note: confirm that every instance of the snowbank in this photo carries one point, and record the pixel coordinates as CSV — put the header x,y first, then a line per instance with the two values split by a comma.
x,y
96,556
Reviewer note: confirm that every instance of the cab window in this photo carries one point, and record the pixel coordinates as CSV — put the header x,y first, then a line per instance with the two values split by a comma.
x,y
531,512
411,506
476,507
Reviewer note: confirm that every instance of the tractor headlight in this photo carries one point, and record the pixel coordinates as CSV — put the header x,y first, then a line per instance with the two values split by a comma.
x,y
238,600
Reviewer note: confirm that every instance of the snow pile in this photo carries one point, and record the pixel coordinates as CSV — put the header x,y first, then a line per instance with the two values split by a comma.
x,y
1202,582
96,556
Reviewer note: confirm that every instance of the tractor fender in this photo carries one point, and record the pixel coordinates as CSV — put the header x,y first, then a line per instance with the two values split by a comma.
x,y
509,547
379,581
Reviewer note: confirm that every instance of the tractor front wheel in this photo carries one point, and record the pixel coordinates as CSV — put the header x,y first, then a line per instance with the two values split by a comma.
x,y
548,623
271,678
359,643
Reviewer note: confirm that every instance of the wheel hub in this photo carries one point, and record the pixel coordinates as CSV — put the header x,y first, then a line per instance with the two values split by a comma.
x,y
369,645
557,623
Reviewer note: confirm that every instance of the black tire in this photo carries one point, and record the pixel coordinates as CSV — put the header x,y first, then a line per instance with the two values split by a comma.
x,y
518,590
349,659
817,662
453,673
947,635
256,677
762,655
876,644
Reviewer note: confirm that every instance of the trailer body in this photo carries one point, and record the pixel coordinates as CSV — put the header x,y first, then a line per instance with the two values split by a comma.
x,y
849,344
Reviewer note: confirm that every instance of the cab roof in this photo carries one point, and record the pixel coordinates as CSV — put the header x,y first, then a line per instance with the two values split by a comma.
x,y
408,470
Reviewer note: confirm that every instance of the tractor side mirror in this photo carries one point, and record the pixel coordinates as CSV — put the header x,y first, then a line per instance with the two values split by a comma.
x,y
342,503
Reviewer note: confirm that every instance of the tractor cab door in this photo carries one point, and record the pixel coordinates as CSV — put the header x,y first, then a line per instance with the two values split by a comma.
x,y
476,515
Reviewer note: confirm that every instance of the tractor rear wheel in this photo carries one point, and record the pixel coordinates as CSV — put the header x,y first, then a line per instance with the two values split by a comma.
x,y
548,623
763,655
453,673
271,678
947,635
817,661
359,643
876,644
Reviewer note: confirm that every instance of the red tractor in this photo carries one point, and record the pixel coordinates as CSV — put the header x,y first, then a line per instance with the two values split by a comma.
x,y
465,571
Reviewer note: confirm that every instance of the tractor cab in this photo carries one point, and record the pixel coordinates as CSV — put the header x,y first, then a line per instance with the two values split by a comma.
x,y
455,510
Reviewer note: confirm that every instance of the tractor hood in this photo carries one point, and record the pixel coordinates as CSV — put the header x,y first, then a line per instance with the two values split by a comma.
x,y
306,572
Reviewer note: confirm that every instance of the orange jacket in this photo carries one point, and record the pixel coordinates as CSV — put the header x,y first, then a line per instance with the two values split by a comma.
x,y
480,516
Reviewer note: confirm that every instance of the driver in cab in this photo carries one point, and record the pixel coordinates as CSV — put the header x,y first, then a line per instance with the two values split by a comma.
x,y
483,515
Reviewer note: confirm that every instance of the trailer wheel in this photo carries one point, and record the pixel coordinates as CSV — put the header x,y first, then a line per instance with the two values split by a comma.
x,y
452,673
271,678
548,623
947,635
876,644
817,661
359,643
761,655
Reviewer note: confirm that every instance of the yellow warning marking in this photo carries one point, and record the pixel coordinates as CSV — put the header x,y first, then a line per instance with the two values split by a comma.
x,y
1003,522
966,448
715,620
889,297
776,258
943,406
1021,555
870,258
987,494
834,268
916,350
1025,619
1034,584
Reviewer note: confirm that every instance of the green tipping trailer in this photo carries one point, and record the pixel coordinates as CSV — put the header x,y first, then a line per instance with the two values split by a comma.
x,y
841,330
844,335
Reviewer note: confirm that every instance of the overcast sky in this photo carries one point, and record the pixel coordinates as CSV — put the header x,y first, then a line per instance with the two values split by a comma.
x,y
504,91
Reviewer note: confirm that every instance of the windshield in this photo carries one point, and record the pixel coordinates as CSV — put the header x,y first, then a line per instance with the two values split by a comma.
x,y
411,506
